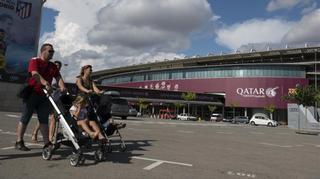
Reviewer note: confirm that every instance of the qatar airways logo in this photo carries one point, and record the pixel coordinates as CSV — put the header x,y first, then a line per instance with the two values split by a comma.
x,y
257,92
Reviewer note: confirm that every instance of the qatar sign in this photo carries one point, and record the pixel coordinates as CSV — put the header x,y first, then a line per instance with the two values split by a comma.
x,y
246,92
257,92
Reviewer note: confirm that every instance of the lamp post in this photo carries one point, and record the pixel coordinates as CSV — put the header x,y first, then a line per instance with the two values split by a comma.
x,y
315,83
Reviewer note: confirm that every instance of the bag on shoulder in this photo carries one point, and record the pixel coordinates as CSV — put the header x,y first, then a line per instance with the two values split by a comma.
x,y
25,91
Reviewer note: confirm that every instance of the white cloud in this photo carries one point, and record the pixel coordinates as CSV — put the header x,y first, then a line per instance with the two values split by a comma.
x,y
310,8
113,33
145,24
253,31
275,5
306,30
273,33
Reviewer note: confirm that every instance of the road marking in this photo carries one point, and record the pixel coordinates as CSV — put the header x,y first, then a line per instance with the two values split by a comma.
x,y
299,145
282,133
26,144
260,133
158,162
155,164
186,132
135,129
14,133
312,144
190,123
13,115
219,132
18,116
276,145
241,174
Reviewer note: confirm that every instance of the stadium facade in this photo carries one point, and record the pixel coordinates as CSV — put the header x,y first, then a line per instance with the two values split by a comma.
x,y
249,82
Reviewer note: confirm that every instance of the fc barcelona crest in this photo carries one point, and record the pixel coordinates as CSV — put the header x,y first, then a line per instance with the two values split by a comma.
x,y
23,9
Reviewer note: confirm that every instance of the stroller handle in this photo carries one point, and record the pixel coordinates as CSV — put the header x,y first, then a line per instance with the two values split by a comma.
x,y
47,92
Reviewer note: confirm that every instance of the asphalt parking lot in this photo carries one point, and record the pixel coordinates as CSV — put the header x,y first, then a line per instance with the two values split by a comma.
x,y
173,149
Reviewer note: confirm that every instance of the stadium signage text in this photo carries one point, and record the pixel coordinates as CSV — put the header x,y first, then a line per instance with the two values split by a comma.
x,y
8,4
161,86
257,92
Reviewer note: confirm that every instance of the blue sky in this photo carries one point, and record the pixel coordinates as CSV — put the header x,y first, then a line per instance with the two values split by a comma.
x,y
114,33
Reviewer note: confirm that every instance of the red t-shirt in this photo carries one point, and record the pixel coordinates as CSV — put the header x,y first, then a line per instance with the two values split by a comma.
x,y
47,70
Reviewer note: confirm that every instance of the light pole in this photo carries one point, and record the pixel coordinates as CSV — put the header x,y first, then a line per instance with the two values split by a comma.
x,y
315,69
315,83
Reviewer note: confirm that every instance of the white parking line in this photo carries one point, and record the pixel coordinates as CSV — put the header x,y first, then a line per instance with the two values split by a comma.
x,y
299,145
185,132
158,162
14,133
316,145
256,133
155,164
276,145
18,116
219,132
281,133
249,175
135,129
26,144
179,123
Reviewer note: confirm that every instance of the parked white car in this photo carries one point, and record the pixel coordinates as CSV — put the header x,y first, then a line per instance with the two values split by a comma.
x,y
217,117
262,119
185,116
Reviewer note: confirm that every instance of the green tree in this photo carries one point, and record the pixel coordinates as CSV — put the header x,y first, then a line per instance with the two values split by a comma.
x,y
189,96
212,108
178,106
270,108
142,105
303,95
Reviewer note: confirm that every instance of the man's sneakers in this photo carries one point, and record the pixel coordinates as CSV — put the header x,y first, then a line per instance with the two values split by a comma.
x,y
20,146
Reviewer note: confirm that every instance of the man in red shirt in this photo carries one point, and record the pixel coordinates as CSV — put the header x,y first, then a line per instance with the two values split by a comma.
x,y
42,72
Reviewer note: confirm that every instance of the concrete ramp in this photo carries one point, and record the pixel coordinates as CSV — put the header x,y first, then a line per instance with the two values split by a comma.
x,y
301,119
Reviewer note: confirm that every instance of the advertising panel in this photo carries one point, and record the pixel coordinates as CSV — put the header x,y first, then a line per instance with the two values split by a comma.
x,y
242,92
19,36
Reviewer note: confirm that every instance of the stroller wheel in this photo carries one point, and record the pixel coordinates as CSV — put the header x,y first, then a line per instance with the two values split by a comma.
x,y
47,152
98,156
75,159
123,147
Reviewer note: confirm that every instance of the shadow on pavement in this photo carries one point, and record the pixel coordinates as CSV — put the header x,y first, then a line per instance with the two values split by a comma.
x,y
116,156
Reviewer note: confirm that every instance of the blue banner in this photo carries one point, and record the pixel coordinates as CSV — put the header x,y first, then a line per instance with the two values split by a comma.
x,y
19,37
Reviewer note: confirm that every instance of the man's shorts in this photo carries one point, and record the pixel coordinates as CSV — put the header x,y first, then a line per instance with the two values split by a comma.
x,y
38,104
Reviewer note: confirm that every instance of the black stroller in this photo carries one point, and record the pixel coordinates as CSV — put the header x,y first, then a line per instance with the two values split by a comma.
x,y
70,135
101,106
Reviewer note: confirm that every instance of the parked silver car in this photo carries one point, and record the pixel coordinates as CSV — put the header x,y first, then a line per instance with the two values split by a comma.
x,y
133,112
240,119
120,106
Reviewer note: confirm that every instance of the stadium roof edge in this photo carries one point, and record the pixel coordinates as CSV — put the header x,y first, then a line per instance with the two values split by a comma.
x,y
193,60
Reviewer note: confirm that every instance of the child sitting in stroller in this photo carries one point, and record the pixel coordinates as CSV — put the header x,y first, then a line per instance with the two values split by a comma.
x,y
79,112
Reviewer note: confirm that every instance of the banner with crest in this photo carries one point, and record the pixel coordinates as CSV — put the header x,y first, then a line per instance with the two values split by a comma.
x,y
19,37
